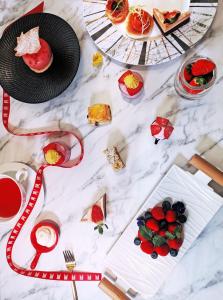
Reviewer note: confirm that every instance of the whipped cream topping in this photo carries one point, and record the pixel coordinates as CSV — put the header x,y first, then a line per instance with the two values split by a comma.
x,y
46,236
28,43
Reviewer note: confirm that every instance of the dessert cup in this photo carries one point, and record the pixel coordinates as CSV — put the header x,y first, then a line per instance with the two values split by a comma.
x,y
186,90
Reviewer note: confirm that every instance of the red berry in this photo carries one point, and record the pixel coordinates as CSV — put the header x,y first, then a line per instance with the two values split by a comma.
x,y
97,215
142,239
175,244
157,213
152,224
170,216
187,75
147,247
172,227
202,67
162,250
162,233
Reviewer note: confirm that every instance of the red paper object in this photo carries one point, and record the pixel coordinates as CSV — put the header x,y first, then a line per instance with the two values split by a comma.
x,y
161,129
131,84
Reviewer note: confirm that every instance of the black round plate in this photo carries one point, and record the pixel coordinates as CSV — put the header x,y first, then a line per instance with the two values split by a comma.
x,y
22,83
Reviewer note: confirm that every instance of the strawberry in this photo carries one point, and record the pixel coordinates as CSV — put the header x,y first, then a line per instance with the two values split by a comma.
x,y
162,250
142,239
187,74
202,67
171,216
198,81
157,213
153,225
162,233
147,247
175,244
172,227
171,17
97,217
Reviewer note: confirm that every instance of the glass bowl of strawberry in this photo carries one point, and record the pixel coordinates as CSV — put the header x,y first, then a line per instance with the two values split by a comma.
x,y
195,77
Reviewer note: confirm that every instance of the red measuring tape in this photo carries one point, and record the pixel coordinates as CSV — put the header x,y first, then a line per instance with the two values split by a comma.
x,y
54,275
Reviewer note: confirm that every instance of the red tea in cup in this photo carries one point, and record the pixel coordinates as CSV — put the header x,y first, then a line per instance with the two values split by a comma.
x,y
10,198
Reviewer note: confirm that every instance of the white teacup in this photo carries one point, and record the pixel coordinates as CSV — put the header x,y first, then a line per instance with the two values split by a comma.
x,y
12,194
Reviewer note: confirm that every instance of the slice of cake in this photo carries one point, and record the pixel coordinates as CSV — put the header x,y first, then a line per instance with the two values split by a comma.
x,y
168,21
97,214
99,114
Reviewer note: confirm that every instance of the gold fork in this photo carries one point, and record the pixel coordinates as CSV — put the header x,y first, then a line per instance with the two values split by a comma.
x,y
70,265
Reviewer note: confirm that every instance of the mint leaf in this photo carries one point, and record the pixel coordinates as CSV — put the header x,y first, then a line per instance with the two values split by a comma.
x,y
178,232
146,232
158,240
170,236
100,230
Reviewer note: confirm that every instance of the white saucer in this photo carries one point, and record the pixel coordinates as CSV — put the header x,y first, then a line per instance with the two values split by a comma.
x,y
10,169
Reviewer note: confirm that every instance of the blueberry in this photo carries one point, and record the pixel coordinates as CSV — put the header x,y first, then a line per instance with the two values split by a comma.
x,y
148,215
173,252
166,205
182,219
154,255
140,223
141,218
137,241
163,224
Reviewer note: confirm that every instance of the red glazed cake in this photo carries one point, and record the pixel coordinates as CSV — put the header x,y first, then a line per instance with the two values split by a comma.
x,y
117,10
35,51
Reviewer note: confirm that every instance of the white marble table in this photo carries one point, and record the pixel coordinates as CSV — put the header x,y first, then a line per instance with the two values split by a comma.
x,y
198,129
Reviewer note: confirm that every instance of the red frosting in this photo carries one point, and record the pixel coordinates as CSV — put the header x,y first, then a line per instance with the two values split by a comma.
x,y
41,59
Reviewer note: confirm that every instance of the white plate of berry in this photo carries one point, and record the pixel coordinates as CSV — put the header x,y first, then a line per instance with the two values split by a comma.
x,y
161,228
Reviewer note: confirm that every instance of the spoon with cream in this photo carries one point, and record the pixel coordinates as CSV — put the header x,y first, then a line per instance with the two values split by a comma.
x,y
44,238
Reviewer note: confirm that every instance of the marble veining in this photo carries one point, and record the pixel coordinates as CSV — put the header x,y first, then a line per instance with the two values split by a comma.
x,y
198,128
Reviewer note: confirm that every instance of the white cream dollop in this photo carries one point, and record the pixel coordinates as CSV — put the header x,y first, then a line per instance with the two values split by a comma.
x,y
46,236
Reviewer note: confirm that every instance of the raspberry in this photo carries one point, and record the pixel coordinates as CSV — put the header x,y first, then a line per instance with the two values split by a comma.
x,y
162,233
147,247
157,213
152,224
175,244
172,227
171,216
162,250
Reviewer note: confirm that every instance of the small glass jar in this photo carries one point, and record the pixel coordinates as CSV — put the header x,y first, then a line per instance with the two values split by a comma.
x,y
124,90
56,153
188,91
